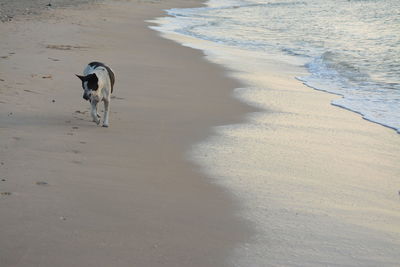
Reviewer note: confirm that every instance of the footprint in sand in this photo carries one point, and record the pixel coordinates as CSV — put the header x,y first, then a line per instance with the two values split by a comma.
x,y
77,113
30,91
79,119
116,97
66,47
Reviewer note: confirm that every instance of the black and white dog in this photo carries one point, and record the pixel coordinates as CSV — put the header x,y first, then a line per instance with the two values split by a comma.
x,y
98,84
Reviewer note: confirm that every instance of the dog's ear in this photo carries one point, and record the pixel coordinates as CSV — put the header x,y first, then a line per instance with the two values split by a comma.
x,y
82,78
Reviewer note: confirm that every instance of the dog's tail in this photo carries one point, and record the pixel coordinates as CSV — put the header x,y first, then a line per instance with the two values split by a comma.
x,y
112,77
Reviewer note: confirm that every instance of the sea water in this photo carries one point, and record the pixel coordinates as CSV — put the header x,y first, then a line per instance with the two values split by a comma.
x,y
351,47
347,47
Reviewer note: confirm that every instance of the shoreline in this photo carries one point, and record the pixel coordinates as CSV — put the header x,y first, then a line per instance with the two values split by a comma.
x,y
301,166
349,109
78,194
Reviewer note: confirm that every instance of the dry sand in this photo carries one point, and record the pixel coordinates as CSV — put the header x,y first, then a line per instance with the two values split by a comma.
x,y
15,9
74,194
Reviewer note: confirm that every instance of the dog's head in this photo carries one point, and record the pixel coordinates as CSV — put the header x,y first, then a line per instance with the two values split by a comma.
x,y
89,85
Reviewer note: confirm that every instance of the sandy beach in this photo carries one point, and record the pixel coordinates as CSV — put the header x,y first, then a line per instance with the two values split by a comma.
x,y
74,194
144,192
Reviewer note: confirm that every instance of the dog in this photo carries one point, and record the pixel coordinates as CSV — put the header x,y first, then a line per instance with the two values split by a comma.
x,y
98,85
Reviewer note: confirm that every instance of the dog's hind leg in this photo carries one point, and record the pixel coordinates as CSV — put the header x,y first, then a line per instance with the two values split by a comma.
x,y
93,112
106,112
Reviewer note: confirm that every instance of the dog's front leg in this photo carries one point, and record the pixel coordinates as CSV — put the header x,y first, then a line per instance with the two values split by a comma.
x,y
93,112
106,112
